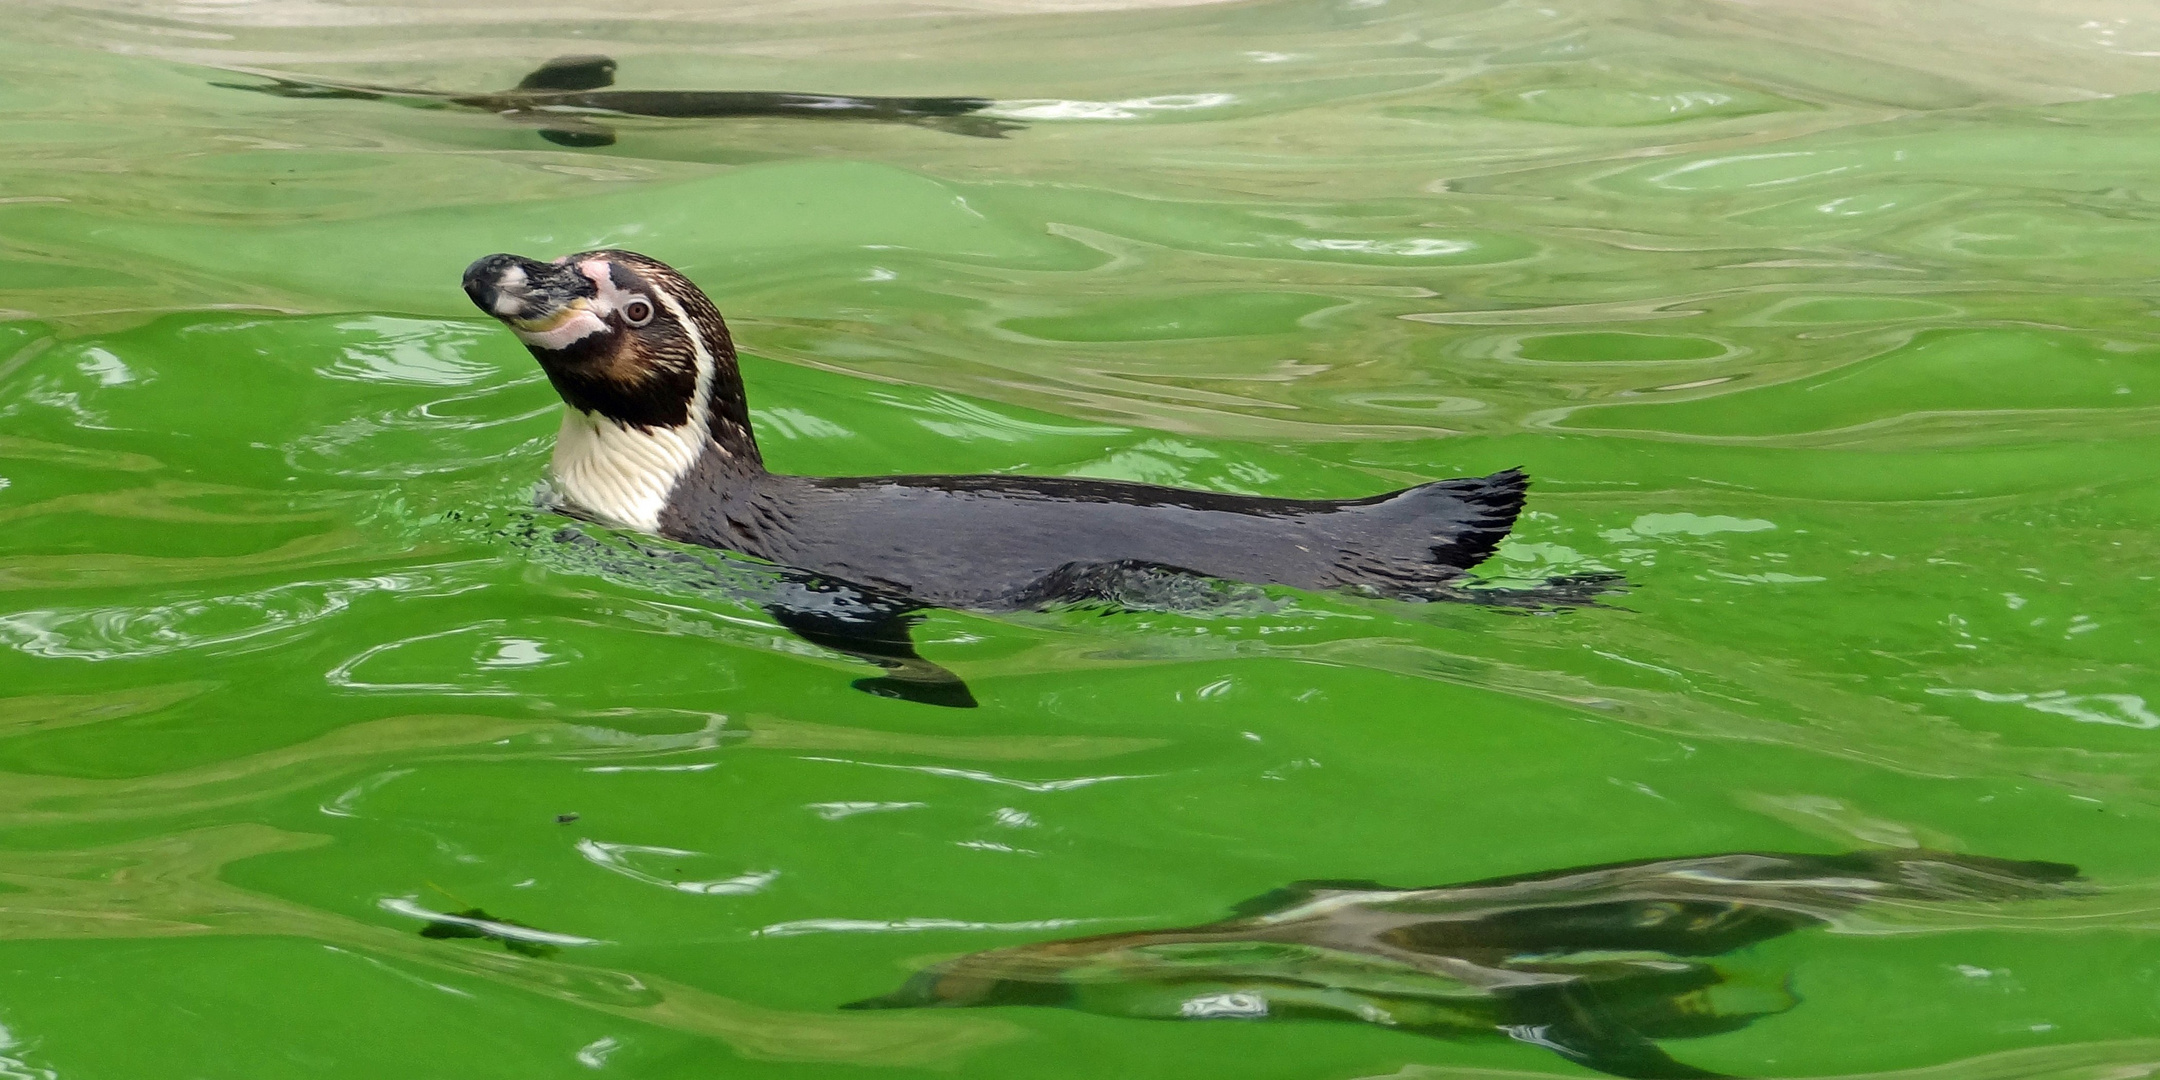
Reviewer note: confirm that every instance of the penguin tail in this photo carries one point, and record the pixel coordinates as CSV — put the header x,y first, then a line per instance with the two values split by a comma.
x,y
1488,507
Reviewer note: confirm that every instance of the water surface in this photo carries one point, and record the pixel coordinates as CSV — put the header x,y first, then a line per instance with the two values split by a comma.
x,y
1828,326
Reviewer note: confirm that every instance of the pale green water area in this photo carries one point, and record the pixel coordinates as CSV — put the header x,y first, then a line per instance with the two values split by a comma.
x,y
1829,326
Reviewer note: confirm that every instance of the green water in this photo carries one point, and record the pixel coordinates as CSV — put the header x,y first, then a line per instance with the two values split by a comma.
x,y
1829,327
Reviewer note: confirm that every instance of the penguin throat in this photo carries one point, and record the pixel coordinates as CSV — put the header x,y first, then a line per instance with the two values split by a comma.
x,y
622,473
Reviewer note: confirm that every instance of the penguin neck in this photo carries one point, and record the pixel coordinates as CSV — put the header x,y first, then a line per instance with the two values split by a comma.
x,y
723,412
625,473
719,406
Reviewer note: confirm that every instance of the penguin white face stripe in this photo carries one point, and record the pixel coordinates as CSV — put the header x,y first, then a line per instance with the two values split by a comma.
x,y
701,401
609,297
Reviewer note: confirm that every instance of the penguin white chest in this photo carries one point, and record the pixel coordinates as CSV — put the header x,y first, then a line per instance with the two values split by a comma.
x,y
619,473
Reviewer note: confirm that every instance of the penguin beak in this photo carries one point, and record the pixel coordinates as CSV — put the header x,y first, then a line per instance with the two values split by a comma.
x,y
527,294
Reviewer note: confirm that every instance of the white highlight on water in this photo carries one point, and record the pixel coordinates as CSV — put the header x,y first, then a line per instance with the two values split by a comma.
x,y
1236,1005
594,1055
616,858
1418,247
799,927
1129,109
2120,710
405,905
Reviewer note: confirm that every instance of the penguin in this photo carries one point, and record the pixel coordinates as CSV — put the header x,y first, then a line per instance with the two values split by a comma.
x,y
656,438
1592,963
564,97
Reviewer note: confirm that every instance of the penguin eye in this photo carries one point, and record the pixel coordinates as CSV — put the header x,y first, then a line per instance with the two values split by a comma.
x,y
638,311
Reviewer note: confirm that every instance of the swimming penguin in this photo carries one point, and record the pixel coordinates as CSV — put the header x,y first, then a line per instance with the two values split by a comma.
x,y
1592,963
657,438
563,97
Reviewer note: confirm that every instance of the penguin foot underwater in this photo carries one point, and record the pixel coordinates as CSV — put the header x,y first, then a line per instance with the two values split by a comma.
x,y
567,97
1593,963
656,438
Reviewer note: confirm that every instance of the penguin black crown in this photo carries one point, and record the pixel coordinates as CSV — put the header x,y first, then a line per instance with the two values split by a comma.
x,y
656,437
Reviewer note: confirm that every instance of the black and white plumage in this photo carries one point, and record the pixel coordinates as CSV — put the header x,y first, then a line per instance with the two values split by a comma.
x,y
657,438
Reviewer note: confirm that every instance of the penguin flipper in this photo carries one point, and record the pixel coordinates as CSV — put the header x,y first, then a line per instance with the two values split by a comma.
x,y
868,626
855,621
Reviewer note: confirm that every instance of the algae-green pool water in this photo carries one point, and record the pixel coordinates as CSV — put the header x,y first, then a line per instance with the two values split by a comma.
x,y
1829,327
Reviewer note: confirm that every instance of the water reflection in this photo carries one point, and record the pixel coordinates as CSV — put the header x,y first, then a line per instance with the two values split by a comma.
x,y
562,98
1595,963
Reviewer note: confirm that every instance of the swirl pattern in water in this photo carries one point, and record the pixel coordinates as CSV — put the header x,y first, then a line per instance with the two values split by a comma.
x,y
1825,326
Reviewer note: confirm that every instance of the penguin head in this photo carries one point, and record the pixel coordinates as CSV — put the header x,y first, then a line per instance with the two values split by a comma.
x,y
621,336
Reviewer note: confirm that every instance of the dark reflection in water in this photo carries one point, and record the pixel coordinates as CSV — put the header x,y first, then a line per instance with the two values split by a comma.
x,y
1592,963
562,97
477,923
